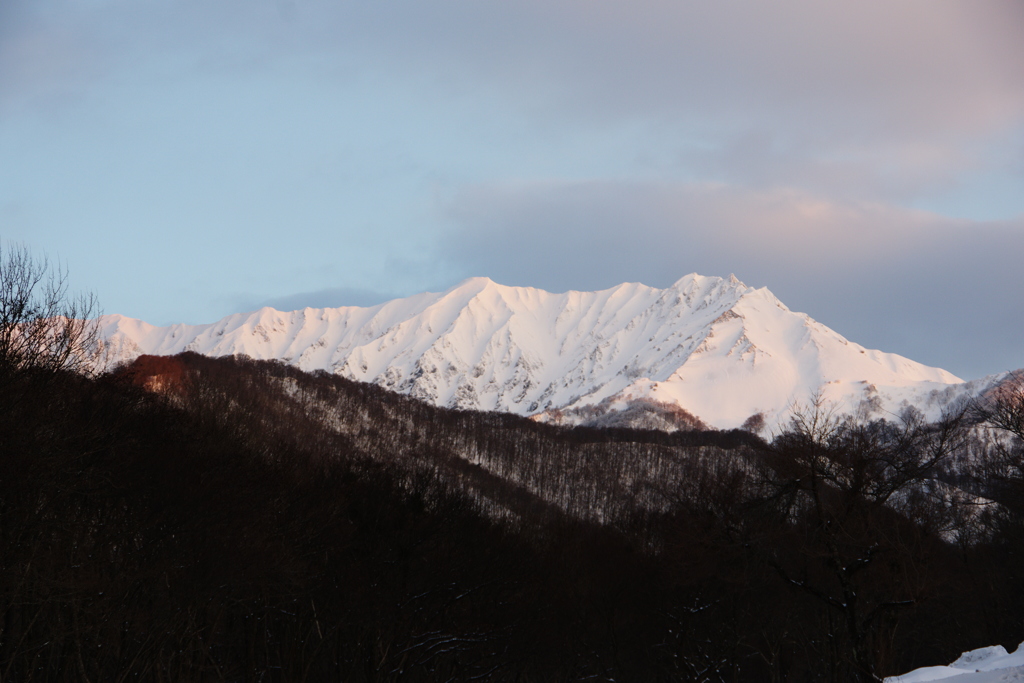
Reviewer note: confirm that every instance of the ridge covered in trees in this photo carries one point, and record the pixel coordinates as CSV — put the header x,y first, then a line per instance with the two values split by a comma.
x,y
190,518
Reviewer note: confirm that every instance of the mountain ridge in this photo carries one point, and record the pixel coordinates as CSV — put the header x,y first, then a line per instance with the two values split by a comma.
x,y
712,346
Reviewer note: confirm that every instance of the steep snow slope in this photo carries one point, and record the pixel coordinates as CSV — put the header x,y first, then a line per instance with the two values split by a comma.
x,y
713,346
984,665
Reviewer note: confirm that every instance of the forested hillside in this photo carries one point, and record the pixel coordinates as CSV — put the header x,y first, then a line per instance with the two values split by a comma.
x,y
189,518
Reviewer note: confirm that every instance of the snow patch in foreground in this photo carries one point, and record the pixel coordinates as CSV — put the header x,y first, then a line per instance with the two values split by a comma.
x,y
984,665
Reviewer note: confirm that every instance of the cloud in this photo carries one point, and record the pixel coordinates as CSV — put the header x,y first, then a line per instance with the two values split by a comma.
x,y
322,298
938,290
919,69
605,225
915,69
854,99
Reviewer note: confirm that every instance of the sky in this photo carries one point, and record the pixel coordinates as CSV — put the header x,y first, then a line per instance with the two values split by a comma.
x,y
863,159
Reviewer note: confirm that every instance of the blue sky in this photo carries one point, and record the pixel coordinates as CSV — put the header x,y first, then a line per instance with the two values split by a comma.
x,y
864,160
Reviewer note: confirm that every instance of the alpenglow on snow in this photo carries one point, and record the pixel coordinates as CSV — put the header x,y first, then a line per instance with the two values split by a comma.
x,y
714,347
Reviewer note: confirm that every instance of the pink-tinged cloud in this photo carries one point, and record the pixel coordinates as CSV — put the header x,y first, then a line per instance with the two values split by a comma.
x,y
917,68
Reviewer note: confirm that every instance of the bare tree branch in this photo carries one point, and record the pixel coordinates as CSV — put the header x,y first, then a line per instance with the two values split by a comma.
x,y
42,327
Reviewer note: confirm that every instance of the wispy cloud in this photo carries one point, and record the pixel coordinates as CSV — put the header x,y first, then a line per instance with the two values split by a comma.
x,y
323,298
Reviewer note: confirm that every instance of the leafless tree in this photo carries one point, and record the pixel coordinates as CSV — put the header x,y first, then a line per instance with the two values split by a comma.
x,y
1003,408
856,496
1001,476
43,328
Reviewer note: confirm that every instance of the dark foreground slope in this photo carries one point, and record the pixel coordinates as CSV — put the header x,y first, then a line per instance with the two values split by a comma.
x,y
201,519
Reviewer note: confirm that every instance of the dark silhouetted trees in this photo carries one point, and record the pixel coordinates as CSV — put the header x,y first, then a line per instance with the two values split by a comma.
x,y
191,518
42,328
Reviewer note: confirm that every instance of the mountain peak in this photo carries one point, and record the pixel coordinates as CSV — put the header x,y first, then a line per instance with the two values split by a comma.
x,y
474,283
710,284
472,286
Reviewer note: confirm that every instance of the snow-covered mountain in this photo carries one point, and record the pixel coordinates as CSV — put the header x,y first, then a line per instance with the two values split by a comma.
x,y
712,346
985,665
